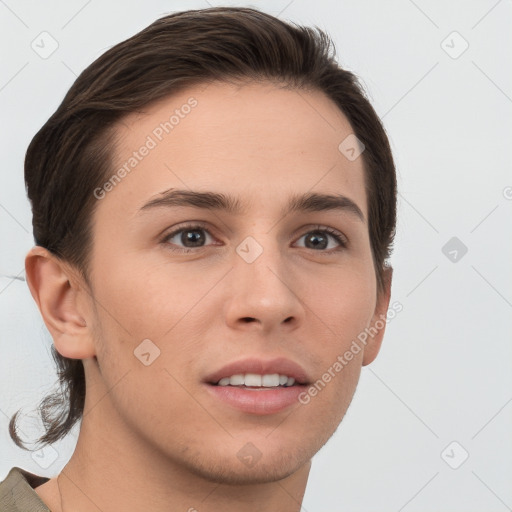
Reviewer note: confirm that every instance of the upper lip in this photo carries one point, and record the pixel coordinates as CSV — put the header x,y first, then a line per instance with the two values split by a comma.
x,y
280,365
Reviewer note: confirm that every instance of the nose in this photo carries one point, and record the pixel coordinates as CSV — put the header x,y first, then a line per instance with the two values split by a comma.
x,y
262,293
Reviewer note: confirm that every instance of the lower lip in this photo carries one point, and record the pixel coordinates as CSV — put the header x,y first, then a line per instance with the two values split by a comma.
x,y
257,400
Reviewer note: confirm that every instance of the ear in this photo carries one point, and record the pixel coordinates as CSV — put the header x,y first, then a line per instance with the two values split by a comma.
x,y
62,299
378,323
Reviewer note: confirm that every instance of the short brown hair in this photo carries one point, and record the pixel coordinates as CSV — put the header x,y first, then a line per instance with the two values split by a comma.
x,y
72,154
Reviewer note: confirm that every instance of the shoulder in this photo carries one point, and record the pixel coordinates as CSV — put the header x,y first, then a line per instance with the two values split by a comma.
x,y
17,492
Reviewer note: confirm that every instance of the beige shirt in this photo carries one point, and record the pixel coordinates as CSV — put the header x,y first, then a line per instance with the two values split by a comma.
x,y
17,492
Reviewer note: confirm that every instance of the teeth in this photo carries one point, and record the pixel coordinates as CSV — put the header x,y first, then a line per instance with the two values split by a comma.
x,y
236,380
272,380
252,379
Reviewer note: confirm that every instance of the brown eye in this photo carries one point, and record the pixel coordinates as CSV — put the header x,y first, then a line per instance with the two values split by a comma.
x,y
319,239
188,237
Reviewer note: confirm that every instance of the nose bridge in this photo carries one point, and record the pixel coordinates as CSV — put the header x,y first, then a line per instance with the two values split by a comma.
x,y
255,247
259,256
261,287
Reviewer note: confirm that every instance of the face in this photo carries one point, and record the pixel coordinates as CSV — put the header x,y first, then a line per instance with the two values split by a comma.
x,y
197,291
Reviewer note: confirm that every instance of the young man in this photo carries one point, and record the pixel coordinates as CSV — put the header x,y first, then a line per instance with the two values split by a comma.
x,y
214,204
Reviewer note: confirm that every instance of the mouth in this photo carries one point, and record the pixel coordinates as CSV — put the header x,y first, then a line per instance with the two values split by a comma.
x,y
256,386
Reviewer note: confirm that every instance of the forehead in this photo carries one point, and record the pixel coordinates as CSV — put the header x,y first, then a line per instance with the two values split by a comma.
x,y
256,141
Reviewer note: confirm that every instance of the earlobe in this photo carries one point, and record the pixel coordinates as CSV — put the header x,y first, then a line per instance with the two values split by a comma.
x,y
378,323
59,296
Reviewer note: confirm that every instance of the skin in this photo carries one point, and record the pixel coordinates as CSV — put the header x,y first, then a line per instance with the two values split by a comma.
x,y
152,433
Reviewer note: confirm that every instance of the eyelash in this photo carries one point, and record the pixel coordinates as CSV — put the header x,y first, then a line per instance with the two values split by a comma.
x,y
339,237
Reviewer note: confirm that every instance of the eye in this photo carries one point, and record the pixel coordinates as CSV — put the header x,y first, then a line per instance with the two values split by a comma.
x,y
191,236
194,236
318,239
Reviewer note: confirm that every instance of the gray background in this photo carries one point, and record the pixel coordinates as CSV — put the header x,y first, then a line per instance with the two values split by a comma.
x,y
443,374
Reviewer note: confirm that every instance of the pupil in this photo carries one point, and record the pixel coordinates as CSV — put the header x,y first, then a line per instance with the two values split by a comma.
x,y
315,237
193,236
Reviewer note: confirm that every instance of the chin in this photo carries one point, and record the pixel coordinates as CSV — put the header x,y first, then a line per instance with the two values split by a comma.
x,y
232,470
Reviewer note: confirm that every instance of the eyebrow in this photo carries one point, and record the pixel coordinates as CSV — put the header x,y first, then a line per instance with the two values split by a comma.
x,y
308,202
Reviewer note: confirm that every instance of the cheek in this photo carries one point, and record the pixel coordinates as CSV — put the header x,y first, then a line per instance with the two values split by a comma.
x,y
340,311
148,313
157,404
341,303
325,402
147,299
